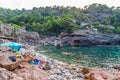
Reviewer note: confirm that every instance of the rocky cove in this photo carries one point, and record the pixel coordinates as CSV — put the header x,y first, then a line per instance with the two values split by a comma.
x,y
60,70
78,38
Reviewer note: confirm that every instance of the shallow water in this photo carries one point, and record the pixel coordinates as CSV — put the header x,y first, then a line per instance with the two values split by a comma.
x,y
92,56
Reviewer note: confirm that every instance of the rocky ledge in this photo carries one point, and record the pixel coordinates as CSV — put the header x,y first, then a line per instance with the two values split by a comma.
x,y
90,39
19,70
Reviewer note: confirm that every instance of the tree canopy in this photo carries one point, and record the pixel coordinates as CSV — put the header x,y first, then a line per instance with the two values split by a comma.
x,y
57,19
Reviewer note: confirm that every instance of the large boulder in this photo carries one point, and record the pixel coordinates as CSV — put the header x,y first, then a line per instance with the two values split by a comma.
x,y
29,36
3,41
22,68
31,73
19,34
101,74
6,63
8,75
6,30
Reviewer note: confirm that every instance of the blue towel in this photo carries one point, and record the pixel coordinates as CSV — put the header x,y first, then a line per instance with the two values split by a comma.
x,y
36,61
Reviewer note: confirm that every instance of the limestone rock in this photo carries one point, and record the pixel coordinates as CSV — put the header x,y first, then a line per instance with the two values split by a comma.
x,y
29,36
101,74
90,39
6,30
85,70
31,72
7,75
19,35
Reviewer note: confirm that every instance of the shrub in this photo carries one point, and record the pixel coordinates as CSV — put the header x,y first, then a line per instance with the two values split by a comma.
x,y
84,17
117,30
16,26
96,23
102,28
73,28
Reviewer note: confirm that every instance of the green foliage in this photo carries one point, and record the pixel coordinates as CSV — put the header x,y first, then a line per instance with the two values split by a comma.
x,y
72,28
1,22
105,21
16,26
84,17
59,19
117,30
102,28
96,23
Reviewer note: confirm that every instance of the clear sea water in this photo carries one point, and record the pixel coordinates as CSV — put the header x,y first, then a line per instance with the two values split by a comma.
x,y
92,56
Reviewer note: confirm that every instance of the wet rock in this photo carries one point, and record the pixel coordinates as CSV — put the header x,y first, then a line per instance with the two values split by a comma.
x,y
117,67
85,70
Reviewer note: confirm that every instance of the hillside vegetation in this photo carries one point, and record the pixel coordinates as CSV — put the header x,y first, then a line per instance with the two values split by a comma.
x,y
57,19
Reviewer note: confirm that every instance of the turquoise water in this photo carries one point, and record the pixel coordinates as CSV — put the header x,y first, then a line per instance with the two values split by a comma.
x,y
92,56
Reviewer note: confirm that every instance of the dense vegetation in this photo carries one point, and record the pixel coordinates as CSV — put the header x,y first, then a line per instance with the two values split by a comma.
x,y
56,19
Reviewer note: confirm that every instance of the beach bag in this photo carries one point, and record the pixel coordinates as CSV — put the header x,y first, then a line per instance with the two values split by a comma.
x,y
12,58
47,66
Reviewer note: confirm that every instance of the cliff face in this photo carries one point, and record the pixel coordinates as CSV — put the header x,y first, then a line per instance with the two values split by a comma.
x,y
20,35
6,30
88,38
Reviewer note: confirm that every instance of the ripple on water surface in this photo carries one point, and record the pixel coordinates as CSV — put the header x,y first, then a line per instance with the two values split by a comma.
x,y
92,56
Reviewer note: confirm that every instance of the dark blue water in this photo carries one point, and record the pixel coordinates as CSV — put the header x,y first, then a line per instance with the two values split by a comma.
x,y
92,56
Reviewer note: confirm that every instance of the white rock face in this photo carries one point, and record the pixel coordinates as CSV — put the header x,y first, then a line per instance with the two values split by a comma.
x,y
6,30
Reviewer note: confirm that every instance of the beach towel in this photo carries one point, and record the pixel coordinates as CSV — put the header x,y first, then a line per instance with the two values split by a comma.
x,y
36,61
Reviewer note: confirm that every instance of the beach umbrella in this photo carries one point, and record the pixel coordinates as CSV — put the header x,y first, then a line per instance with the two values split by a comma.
x,y
14,46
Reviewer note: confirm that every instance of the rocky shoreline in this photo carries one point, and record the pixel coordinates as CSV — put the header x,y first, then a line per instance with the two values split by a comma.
x,y
58,71
64,71
81,37
61,70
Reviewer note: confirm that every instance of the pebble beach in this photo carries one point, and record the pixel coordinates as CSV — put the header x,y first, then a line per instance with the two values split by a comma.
x,y
60,70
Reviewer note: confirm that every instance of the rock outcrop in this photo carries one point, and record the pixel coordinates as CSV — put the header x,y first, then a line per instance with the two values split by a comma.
x,y
20,34
31,72
8,75
19,70
6,30
90,39
101,74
